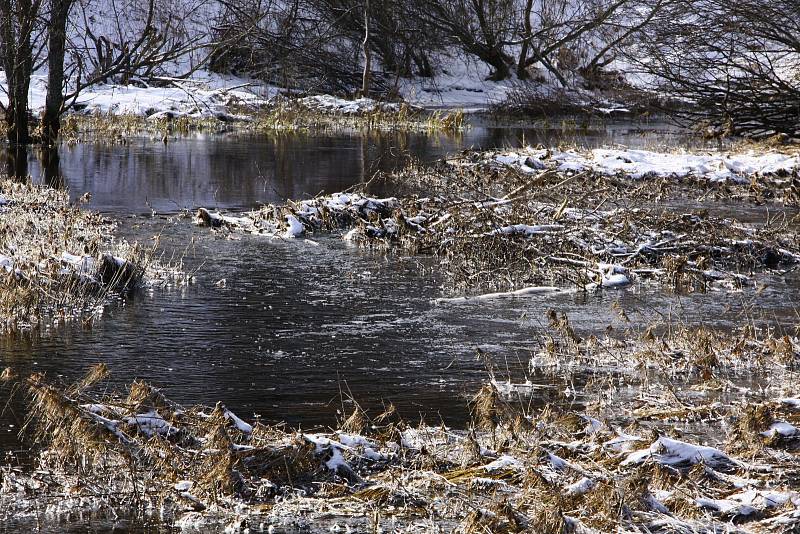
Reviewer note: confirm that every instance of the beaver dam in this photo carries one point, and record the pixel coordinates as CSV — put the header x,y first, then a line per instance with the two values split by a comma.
x,y
668,424
542,221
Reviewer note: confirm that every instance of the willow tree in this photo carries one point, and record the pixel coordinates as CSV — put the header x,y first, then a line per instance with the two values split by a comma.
x,y
735,64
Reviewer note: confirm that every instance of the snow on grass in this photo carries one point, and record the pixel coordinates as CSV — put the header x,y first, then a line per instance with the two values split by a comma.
x,y
78,264
793,402
6,263
184,485
581,487
749,502
781,428
151,423
294,227
504,462
238,423
332,104
613,276
527,229
675,453
447,468
622,442
350,443
367,446
720,166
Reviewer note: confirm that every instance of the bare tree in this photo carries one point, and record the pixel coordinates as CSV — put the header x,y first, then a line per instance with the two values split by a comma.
x,y
559,24
295,44
19,24
479,27
27,26
512,36
399,38
365,46
133,42
56,51
734,63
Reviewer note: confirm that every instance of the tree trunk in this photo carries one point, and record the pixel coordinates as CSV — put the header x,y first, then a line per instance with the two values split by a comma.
x,y
424,68
51,165
18,66
498,60
56,45
17,21
365,80
17,113
522,71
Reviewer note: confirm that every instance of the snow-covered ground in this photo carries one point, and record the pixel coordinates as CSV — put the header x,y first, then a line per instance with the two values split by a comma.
x,y
333,104
204,95
714,166
212,95
459,84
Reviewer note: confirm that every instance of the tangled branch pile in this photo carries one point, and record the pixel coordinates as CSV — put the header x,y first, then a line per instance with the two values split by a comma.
x,y
57,260
553,470
498,226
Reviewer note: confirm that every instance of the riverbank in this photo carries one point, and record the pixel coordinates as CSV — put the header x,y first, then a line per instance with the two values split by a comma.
x,y
311,114
686,446
215,103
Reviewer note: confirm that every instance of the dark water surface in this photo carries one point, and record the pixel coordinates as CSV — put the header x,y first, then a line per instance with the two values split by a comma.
x,y
238,171
298,325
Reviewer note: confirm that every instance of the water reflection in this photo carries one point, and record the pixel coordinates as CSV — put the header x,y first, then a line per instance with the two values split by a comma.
x,y
237,171
16,158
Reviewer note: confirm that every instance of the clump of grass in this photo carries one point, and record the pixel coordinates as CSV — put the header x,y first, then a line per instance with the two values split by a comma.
x,y
681,354
303,114
118,129
61,262
448,121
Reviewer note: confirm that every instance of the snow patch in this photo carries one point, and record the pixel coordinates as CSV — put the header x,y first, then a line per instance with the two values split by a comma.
x,y
332,104
675,453
719,166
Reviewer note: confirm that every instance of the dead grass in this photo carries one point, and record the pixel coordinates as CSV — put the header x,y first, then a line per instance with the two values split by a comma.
x,y
282,115
515,469
60,261
289,114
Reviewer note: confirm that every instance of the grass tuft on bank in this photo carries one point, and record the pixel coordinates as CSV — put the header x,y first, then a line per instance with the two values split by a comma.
x,y
60,262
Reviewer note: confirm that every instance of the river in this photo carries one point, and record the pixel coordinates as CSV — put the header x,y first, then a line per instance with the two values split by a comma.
x,y
298,328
